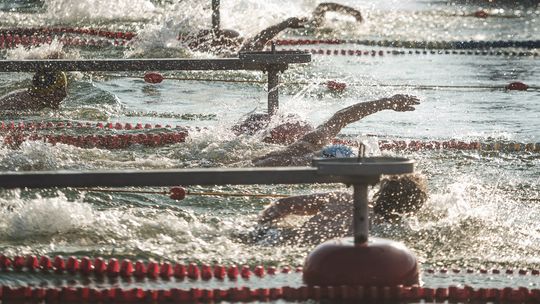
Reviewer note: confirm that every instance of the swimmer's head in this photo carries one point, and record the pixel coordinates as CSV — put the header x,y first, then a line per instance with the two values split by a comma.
x,y
400,194
334,151
49,86
45,83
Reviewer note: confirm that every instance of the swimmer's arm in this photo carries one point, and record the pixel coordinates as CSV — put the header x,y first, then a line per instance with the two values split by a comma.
x,y
258,42
294,205
327,131
19,100
322,8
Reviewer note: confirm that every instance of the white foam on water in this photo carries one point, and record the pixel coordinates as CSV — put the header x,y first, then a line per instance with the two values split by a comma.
x,y
40,52
41,217
88,10
218,146
35,155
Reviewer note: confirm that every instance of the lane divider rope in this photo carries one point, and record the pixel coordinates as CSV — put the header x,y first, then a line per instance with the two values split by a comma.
x,y
126,268
286,293
375,53
69,30
8,41
17,132
41,125
122,141
332,85
119,141
525,44
166,271
128,35
179,193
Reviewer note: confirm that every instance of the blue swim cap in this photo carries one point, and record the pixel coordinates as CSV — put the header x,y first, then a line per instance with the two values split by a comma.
x,y
337,151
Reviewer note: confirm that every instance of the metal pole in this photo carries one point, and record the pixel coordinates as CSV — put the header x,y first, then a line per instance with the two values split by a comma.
x,y
184,177
273,93
261,63
215,15
360,214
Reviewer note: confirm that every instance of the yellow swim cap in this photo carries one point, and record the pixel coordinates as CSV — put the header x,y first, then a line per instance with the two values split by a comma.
x,y
46,82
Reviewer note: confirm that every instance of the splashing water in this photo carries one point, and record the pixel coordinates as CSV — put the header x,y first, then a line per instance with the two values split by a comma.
x,y
481,211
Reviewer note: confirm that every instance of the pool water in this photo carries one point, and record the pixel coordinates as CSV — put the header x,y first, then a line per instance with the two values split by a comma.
x,y
483,206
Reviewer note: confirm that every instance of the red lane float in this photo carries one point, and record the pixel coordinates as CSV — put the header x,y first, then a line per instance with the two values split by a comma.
x,y
103,141
159,139
237,277
177,193
70,30
308,41
87,266
8,41
517,86
481,14
335,86
417,145
20,126
153,77
37,36
245,294
178,134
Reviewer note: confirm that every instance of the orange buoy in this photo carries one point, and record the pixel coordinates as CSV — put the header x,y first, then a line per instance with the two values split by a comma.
x,y
177,193
379,262
481,14
517,86
153,77
335,86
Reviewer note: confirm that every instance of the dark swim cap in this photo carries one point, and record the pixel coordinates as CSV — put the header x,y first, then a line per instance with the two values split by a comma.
x,y
47,82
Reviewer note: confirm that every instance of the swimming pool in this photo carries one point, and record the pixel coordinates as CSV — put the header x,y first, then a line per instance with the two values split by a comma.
x,y
483,205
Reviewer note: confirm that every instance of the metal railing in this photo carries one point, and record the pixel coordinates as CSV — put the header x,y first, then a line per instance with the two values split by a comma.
x,y
360,173
270,62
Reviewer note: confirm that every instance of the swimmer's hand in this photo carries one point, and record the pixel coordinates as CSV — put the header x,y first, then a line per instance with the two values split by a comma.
x,y
401,103
295,22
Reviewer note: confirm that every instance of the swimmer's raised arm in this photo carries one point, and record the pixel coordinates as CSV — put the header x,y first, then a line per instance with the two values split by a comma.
x,y
322,8
295,153
327,131
258,42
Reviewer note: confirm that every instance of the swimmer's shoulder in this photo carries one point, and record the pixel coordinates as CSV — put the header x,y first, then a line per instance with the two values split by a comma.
x,y
16,100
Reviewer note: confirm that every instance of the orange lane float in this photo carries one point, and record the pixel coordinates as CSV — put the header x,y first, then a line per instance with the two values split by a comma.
x,y
103,141
481,14
153,77
335,86
517,86
21,126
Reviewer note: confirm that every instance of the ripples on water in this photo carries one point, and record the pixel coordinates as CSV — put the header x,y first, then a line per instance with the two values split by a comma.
x,y
483,207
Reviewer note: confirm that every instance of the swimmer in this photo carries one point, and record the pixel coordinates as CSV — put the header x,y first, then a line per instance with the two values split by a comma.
x,y
229,41
331,213
320,11
307,145
48,90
